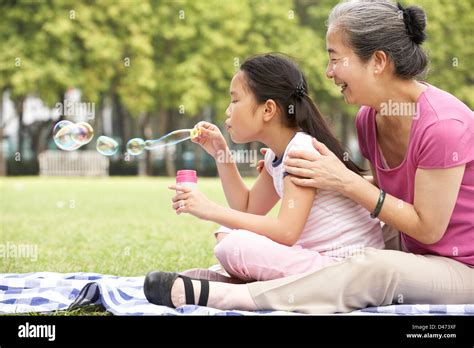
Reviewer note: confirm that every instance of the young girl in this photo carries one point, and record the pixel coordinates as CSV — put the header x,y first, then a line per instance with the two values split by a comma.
x,y
313,229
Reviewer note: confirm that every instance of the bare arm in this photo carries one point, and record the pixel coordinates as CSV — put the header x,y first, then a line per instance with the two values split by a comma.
x,y
235,191
260,199
427,218
213,142
370,179
262,196
284,229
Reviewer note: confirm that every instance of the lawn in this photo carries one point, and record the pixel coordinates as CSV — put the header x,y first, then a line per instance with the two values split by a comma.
x,y
120,226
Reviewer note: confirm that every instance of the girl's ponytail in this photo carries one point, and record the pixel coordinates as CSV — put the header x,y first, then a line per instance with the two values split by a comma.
x,y
310,120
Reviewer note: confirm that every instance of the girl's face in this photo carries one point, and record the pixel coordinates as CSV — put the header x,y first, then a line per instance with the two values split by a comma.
x,y
347,70
244,122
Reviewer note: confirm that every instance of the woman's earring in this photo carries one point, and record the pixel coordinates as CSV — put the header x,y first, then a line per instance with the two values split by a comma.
x,y
376,71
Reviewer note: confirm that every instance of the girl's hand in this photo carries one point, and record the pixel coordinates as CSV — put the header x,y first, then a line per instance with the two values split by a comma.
x,y
211,139
322,172
191,201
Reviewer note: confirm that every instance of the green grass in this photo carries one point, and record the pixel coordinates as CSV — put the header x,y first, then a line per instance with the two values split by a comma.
x,y
119,226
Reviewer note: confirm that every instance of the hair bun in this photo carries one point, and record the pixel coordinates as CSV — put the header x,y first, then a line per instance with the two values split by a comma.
x,y
418,24
415,23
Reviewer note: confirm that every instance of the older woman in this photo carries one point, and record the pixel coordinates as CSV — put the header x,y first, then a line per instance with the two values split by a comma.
x,y
419,141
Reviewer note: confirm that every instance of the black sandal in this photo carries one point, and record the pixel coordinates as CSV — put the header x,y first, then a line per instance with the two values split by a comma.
x,y
157,288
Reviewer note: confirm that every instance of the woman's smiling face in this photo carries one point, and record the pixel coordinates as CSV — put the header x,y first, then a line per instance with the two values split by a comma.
x,y
346,68
243,123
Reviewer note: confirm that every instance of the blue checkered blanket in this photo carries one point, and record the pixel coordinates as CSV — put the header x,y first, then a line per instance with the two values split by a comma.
x,y
48,292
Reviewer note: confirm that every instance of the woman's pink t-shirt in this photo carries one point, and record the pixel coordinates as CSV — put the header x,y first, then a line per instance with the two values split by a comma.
x,y
441,136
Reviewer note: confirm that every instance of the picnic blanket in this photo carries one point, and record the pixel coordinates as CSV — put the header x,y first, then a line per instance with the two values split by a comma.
x,y
49,292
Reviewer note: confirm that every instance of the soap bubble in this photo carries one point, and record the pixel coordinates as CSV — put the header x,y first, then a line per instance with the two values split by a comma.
x,y
70,136
63,135
106,146
60,125
135,146
83,133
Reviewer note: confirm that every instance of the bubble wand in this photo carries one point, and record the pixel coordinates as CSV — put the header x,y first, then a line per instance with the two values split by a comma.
x,y
172,138
136,146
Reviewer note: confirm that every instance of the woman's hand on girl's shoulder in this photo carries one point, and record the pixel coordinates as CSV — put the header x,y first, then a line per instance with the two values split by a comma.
x,y
323,172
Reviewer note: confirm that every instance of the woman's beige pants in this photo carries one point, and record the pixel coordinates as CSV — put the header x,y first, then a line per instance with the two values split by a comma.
x,y
373,278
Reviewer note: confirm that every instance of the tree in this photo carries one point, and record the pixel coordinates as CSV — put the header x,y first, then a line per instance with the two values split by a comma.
x,y
450,46
163,64
35,56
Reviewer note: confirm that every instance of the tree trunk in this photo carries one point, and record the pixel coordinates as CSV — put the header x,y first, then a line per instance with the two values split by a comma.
x,y
163,127
19,111
98,121
145,163
3,164
122,116
148,134
36,132
45,133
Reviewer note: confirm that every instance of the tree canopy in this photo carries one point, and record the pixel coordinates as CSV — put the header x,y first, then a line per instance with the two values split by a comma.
x,y
181,55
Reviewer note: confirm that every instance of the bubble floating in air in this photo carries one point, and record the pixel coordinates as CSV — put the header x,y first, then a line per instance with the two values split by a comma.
x,y
106,146
135,146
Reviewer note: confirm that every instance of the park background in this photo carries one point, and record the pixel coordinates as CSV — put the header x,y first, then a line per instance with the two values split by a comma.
x,y
150,67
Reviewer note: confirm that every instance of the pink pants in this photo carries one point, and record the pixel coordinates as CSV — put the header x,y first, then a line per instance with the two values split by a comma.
x,y
249,256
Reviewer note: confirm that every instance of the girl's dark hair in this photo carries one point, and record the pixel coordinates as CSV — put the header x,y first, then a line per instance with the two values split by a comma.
x,y
276,77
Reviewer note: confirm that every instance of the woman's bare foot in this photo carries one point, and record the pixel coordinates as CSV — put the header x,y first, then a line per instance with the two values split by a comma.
x,y
203,273
221,295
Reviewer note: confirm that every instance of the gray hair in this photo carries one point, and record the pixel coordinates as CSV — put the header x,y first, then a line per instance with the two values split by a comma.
x,y
370,26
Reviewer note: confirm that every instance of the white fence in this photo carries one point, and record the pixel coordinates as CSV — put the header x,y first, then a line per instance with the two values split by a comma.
x,y
76,163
